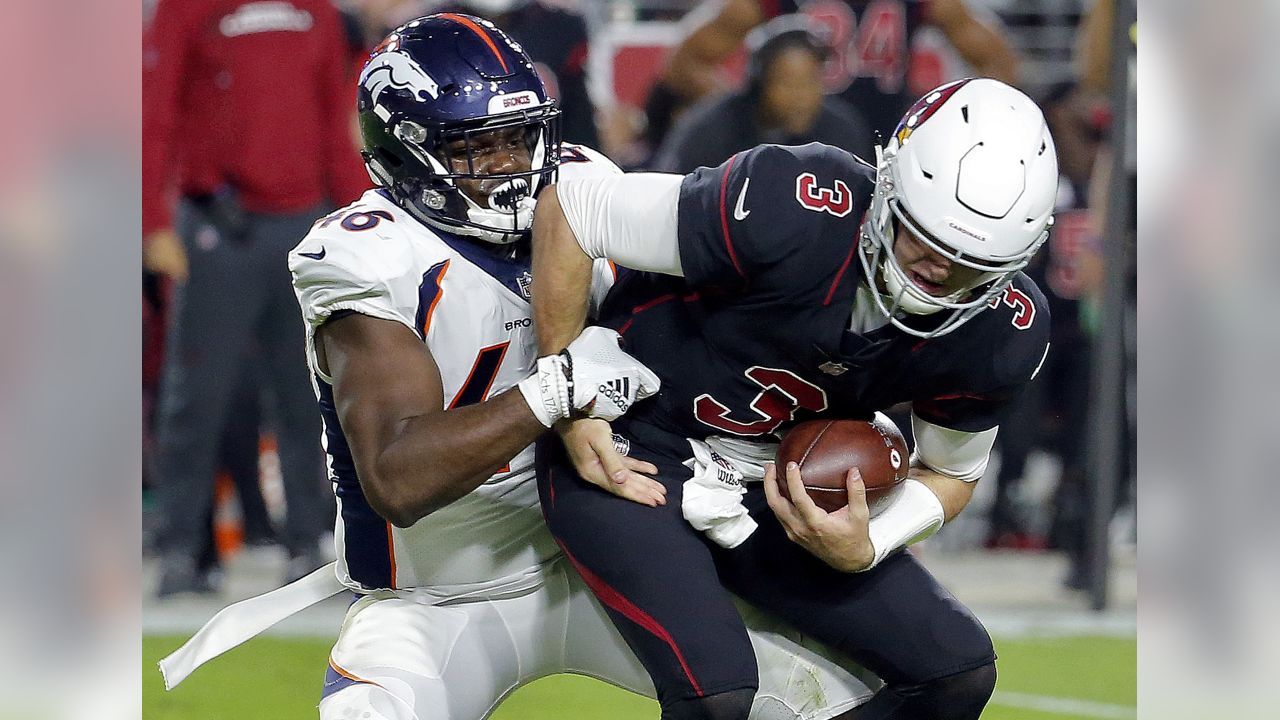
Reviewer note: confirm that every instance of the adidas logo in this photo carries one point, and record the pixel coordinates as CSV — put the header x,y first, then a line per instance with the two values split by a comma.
x,y
617,390
621,385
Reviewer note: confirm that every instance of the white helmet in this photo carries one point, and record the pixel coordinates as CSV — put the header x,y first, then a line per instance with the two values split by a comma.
x,y
972,172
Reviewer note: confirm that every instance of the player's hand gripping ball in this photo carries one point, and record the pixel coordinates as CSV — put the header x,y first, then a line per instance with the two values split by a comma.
x,y
825,450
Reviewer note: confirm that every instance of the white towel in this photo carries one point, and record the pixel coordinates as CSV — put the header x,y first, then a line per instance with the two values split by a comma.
x,y
713,498
241,621
747,456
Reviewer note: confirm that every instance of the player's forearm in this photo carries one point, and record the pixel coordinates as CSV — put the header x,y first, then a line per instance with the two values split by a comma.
x,y
977,41
715,33
1000,62
436,459
561,277
953,494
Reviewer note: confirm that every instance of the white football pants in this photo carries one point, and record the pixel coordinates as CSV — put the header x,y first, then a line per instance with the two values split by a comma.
x,y
415,661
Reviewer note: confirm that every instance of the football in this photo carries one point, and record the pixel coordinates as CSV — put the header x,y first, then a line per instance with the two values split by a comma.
x,y
826,449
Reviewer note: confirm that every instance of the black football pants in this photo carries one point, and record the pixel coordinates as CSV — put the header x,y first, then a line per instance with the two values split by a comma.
x,y
664,586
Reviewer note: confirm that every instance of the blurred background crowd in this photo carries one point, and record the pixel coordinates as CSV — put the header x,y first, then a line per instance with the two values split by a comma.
x,y
242,153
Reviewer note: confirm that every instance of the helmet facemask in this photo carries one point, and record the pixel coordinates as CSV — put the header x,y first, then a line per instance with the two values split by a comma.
x,y
455,188
896,296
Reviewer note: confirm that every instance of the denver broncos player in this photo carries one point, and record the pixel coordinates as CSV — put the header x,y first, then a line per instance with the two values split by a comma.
x,y
792,283
416,300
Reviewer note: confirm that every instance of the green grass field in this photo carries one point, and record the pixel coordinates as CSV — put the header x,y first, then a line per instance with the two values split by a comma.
x,y
279,679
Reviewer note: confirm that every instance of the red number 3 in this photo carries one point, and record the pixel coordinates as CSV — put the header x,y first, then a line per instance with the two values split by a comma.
x,y
783,392
1024,311
838,200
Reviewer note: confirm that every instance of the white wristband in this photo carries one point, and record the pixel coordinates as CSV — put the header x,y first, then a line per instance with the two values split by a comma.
x,y
547,391
913,514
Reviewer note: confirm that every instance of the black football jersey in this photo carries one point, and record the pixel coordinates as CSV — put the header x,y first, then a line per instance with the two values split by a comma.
x,y
755,335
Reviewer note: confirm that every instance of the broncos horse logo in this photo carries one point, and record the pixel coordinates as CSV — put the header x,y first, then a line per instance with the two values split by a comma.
x,y
396,70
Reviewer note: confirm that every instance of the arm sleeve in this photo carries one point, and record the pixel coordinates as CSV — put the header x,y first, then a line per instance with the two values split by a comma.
x,y
955,453
629,219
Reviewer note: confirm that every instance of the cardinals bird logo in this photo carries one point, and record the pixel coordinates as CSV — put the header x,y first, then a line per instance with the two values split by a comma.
x,y
924,108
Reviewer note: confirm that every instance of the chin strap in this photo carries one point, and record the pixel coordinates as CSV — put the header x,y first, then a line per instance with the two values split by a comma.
x,y
494,237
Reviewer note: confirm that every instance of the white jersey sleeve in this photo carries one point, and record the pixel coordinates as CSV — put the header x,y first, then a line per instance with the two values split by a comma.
x,y
631,219
580,161
360,258
370,271
958,454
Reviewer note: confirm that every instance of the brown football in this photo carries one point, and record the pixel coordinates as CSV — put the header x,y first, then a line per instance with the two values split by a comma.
x,y
826,449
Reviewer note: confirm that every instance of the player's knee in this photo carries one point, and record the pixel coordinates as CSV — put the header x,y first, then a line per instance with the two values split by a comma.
x,y
364,701
960,696
729,705
967,692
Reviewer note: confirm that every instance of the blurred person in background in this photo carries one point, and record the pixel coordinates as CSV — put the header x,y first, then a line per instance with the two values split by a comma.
x,y
871,53
240,454
238,449
1053,414
238,463
417,302
246,124
1106,266
782,103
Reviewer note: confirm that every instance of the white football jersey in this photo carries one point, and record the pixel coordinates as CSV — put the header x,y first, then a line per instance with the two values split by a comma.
x,y
471,308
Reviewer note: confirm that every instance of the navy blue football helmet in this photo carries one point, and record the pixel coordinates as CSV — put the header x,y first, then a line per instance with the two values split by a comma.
x,y
457,126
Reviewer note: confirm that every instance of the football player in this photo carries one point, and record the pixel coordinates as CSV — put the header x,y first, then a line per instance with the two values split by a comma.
x,y
787,284
416,300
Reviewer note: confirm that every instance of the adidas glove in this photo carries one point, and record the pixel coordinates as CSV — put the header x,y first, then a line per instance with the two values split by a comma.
x,y
592,377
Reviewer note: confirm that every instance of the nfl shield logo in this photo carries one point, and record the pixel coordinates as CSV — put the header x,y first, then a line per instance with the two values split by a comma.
x,y
621,444
525,281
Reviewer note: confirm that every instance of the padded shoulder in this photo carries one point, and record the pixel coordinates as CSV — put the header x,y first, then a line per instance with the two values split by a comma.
x,y
370,257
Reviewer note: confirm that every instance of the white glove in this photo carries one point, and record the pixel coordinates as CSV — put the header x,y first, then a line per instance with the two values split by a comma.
x,y
592,377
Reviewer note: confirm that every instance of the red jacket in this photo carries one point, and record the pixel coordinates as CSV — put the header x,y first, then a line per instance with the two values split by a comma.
x,y
255,95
